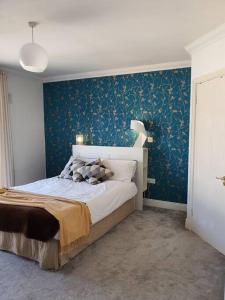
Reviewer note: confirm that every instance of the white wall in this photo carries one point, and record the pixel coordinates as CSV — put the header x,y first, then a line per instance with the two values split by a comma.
x,y
27,117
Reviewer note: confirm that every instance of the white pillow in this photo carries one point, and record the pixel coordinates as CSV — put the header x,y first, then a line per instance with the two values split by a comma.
x,y
123,170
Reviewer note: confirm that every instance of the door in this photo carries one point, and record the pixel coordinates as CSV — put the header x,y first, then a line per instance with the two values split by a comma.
x,y
208,201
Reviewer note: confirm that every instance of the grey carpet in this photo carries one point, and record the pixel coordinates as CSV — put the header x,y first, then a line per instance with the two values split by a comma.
x,y
148,256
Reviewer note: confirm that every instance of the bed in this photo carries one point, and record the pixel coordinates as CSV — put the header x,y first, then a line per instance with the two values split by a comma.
x,y
109,203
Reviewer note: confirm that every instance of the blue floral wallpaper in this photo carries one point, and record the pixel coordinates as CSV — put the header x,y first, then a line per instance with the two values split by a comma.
x,y
101,109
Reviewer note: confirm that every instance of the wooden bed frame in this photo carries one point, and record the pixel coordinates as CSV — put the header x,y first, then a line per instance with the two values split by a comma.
x,y
47,253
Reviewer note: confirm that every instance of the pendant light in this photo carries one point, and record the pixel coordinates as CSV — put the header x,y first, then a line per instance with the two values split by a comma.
x,y
33,57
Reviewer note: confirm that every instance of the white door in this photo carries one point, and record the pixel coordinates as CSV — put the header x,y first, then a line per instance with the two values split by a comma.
x,y
208,201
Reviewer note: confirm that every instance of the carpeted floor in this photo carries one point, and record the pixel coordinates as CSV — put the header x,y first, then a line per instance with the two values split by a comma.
x,y
149,256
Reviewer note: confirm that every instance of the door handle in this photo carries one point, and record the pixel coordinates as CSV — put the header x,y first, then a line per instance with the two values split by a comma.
x,y
221,178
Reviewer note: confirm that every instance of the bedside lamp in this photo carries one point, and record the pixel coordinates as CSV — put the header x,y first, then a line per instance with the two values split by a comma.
x,y
139,127
79,139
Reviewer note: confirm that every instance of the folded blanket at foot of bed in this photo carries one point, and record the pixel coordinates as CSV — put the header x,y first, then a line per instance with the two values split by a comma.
x,y
41,216
35,223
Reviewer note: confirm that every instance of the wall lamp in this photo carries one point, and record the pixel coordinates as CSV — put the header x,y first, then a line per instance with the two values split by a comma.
x,y
139,127
79,139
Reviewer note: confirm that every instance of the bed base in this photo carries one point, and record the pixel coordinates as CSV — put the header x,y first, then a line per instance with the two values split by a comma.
x,y
47,253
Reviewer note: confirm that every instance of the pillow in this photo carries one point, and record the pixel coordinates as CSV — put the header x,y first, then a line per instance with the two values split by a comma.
x,y
123,170
66,171
95,174
71,167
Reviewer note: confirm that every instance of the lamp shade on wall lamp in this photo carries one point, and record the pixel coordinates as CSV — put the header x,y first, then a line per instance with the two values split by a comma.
x,y
79,139
139,127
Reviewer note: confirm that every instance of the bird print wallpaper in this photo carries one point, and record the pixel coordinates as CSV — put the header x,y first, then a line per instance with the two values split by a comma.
x,y
101,109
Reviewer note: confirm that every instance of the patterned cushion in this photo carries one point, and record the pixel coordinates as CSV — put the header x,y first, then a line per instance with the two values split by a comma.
x,y
89,171
71,167
77,177
94,162
94,174
77,163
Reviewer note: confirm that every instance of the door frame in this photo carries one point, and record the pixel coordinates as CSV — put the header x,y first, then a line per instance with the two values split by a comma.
x,y
192,128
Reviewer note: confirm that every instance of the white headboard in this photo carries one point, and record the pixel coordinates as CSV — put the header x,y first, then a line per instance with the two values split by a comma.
x,y
129,153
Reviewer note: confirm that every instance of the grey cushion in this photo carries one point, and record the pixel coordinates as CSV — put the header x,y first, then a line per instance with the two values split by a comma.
x,y
77,177
89,171
94,162
95,174
71,167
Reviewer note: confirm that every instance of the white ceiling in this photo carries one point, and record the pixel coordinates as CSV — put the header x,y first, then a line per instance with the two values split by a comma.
x,y
94,35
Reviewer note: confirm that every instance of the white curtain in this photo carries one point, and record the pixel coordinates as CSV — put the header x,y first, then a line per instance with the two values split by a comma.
x,y
6,153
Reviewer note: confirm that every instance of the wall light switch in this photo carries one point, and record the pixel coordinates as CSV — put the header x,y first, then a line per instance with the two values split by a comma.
x,y
150,139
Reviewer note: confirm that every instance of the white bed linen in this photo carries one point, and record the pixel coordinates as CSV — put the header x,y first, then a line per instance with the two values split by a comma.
x,y
102,199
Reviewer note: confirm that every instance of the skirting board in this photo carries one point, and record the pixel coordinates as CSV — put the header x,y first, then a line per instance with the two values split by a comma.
x,y
165,204
188,224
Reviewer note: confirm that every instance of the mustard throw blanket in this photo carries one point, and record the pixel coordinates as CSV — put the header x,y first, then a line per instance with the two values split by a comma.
x,y
73,216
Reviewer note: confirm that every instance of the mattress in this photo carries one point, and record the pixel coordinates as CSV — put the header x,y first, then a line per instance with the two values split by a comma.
x,y
102,199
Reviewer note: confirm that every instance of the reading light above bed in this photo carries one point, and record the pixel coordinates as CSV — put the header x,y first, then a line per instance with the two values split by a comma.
x,y
139,127
79,139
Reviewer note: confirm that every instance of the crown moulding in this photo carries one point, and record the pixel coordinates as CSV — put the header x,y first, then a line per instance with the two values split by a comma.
x,y
207,39
103,73
120,71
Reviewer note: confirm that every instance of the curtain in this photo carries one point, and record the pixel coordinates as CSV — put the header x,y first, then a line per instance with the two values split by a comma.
x,y
6,153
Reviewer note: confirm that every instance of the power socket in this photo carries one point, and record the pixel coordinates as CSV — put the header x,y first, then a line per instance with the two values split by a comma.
x,y
151,180
150,139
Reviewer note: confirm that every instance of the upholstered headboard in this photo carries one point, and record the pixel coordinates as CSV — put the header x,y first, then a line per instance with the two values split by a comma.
x,y
128,153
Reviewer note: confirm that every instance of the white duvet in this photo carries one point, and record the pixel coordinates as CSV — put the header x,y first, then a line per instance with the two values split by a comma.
x,y
102,199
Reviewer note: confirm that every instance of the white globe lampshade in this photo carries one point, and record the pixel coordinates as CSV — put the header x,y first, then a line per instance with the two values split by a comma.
x,y
33,58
